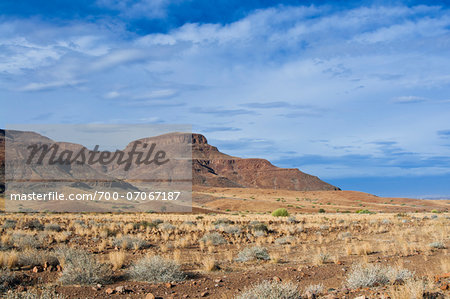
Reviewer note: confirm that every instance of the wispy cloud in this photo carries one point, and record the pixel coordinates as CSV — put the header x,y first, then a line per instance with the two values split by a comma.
x,y
367,81
409,100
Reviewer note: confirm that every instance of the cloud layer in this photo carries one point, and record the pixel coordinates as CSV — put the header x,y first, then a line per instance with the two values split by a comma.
x,y
336,91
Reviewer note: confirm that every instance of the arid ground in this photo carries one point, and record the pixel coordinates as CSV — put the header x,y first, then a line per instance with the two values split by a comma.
x,y
358,245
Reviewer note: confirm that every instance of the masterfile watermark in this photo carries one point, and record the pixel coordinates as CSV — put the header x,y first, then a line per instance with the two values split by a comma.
x,y
98,168
84,156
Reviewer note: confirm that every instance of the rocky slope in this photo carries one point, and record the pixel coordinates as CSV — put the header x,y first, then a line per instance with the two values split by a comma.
x,y
210,167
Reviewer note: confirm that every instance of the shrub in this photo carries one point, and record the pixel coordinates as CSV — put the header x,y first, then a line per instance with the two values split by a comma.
x,y
258,226
437,245
52,227
24,241
321,210
6,280
231,229
223,221
365,211
284,240
156,269
33,257
292,219
313,289
213,239
80,267
271,290
45,294
370,275
281,212
166,226
9,224
117,259
253,253
33,224
128,242
367,276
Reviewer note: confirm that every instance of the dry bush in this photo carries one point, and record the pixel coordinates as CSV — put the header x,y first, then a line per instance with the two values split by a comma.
x,y
213,239
129,242
7,280
80,267
253,253
271,290
411,289
369,275
47,293
117,259
313,290
9,259
321,258
156,269
210,264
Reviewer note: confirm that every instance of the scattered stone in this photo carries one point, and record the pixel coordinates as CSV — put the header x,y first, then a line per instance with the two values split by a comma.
x,y
218,280
445,286
169,285
120,289
204,294
109,291
361,297
37,269
276,278
58,268
150,296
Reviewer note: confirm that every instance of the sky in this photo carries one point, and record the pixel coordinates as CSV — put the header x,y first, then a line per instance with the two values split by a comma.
x,y
357,94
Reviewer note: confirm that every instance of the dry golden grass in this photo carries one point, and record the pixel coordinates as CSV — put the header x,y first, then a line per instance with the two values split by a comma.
x,y
117,259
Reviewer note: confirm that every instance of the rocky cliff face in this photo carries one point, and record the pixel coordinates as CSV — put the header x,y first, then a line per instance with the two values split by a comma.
x,y
210,167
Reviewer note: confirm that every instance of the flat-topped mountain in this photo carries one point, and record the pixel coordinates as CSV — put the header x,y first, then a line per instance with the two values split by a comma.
x,y
210,167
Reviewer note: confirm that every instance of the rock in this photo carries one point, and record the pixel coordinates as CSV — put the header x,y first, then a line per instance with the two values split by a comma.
x,y
58,268
204,294
150,296
168,285
361,297
109,291
120,289
37,269
276,278
445,286
99,286
218,280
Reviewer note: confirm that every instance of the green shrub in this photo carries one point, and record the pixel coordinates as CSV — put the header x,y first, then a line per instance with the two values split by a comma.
x,y
156,269
281,212
365,211
321,211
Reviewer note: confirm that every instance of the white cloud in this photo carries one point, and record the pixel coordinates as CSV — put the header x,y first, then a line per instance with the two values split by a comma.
x,y
352,65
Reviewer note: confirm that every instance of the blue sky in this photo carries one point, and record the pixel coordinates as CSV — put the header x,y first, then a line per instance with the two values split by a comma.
x,y
357,94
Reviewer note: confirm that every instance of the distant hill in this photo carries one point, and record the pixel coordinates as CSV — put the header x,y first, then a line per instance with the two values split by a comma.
x,y
210,167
